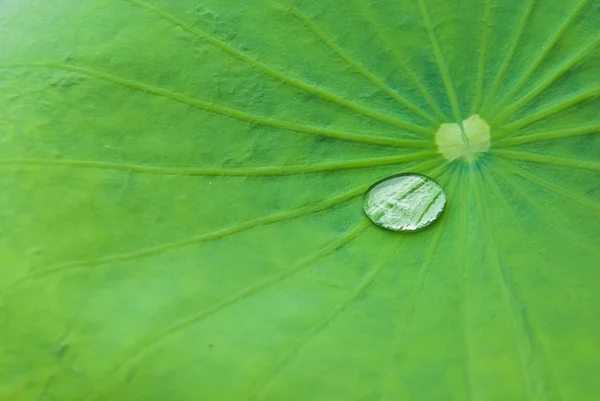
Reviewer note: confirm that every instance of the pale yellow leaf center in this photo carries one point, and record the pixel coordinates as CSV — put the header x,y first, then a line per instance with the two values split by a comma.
x,y
467,141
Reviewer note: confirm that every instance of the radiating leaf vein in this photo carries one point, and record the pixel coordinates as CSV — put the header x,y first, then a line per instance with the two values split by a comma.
x,y
463,279
443,67
538,381
550,186
483,47
369,75
547,111
548,81
263,171
400,59
334,314
511,54
547,136
206,237
550,160
279,76
554,218
401,330
225,111
149,341
547,50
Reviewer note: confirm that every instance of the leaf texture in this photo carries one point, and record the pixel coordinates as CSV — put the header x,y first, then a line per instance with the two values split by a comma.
x,y
181,202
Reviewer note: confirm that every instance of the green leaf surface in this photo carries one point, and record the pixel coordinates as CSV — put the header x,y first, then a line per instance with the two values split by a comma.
x,y
181,200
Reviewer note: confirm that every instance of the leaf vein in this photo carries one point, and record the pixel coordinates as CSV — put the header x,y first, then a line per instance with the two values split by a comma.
x,y
557,189
264,171
335,313
550,160
369,75
485,38
152,339
546,112
206,237
546,136
443,67
514,304
225,111
414,300
548,81
401,60
269,71
511,54
547,49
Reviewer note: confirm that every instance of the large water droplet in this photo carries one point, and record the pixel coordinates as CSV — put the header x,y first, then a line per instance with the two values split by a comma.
x,y
404,202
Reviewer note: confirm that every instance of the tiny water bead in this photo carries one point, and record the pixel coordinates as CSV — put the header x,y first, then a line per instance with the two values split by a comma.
x,y
404,202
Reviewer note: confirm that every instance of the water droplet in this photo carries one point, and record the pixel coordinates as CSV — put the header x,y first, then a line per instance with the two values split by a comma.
x,y
404,202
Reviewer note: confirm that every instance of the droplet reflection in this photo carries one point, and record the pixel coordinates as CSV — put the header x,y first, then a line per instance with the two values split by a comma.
x,y
404,202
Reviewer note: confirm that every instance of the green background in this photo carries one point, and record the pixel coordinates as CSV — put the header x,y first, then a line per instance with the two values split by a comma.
x,y
181,187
